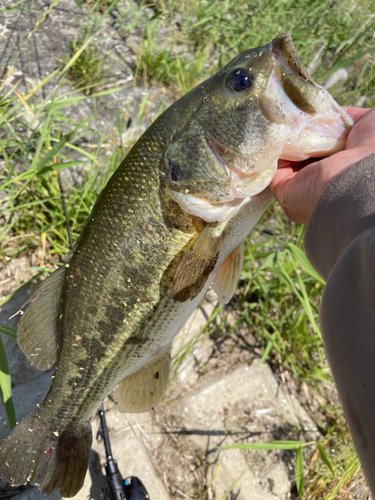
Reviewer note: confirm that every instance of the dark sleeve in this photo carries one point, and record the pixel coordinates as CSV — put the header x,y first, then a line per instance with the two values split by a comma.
x,y
345,211
340,244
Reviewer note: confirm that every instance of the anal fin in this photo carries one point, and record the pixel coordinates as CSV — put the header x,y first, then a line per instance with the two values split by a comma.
x,y
145,388
228,274
36,333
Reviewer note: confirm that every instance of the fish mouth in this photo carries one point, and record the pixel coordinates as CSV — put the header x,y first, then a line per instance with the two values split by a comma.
x,y
304,135
286,57
318,126
285,54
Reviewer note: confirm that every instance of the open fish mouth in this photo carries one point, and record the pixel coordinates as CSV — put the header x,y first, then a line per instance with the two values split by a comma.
x,y
318,124
305,135
208,210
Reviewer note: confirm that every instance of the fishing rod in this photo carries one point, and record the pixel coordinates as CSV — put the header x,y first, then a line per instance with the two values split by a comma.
x,y
118,488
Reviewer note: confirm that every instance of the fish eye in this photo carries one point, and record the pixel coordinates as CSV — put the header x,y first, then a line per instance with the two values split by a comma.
x,y
241,80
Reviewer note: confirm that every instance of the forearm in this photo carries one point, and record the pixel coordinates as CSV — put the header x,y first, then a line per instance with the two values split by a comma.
x,y
348,324
345,210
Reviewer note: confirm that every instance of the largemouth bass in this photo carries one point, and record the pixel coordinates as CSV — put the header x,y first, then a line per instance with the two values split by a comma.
x,y
170,222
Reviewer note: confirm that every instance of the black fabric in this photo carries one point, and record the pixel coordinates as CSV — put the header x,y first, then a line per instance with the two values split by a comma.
x,y
345,210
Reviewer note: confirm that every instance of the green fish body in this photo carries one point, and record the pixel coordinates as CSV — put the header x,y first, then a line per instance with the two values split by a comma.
x,y
171,220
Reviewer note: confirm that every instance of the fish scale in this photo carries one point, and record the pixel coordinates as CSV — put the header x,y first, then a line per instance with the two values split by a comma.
x,y
131,266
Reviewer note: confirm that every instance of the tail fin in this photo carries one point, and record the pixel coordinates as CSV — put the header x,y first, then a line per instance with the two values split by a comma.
x,y
33,453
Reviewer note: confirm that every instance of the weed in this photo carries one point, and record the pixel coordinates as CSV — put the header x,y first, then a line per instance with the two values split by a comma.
x,y
333,36
167,66
279,301
91,67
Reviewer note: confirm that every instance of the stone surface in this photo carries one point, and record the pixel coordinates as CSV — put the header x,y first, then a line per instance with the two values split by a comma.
x,y
246,405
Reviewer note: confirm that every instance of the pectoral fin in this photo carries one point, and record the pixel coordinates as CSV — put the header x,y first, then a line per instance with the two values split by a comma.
x,y
144,389
228,274
198,263
36,333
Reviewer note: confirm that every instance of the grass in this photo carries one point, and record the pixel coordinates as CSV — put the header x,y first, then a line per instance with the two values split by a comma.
x,y
212,32
89,70
175,46
278,278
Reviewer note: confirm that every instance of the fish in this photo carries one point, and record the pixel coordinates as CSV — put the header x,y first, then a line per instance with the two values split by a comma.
x,y
170,222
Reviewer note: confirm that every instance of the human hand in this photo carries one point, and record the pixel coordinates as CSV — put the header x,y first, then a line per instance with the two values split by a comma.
x,y
298,188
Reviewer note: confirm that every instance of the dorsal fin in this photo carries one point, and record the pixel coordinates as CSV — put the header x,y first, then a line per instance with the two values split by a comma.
x,y
198,262
36,333
144,389
228,274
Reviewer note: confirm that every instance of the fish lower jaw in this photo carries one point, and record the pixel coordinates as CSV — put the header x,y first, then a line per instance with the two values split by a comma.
x,y
206,209
316,139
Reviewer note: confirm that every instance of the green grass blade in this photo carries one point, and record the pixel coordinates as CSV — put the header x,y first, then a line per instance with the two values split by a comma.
x,y
41,84
270,445
5,387
53,152
11,332
61,102
298,470
300,257
324,457
45,133
306,302
268,349
13,7
350,470
59,166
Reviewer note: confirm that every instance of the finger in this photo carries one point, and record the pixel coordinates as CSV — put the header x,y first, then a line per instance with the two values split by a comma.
x,y
281,173
356,113
283,163
297,165
279,181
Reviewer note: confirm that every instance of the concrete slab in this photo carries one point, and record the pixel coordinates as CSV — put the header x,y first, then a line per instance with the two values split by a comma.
x,y
257,386
129,452
246,405
192,344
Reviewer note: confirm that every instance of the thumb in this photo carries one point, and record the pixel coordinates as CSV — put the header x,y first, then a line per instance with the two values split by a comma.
x,y
297,191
